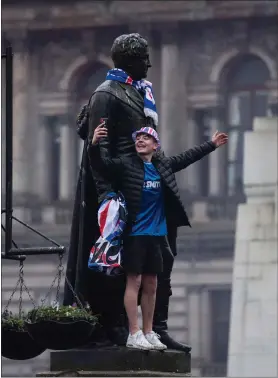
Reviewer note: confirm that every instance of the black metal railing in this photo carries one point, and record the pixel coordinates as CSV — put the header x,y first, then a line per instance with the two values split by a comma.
x,y
11,249
8,56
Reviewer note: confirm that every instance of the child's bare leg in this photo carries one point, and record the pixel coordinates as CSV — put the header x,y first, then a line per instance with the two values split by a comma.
x,y
149,284
133,284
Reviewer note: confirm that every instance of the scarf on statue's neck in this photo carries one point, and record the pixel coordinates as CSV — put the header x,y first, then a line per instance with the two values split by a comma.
x,y
116,74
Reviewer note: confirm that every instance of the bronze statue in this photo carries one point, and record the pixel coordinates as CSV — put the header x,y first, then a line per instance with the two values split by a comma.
x,y
122,105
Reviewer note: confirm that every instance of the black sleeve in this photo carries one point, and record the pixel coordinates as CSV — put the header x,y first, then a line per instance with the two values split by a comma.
x,y
183,160
101,106
101,161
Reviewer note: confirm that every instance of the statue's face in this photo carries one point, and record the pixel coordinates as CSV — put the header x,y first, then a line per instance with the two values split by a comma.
x,y
130,52
139,66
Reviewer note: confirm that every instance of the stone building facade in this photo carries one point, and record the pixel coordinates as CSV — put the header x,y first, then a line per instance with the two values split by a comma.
x,y
215,66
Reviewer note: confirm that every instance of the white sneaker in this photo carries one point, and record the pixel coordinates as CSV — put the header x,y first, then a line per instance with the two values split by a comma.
x,y
138,341
153,338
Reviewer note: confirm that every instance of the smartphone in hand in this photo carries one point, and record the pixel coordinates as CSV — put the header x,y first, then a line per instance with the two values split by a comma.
x,y
104,121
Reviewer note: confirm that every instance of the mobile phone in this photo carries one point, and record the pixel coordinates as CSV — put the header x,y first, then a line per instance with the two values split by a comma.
x,y
104,120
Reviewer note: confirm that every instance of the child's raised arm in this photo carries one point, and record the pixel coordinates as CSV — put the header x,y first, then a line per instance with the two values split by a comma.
x,y
183,160
99,154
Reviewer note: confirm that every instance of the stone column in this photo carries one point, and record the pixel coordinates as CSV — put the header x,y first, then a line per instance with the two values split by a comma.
x,y
80,151
169,122
217,159
273,98
173,117
3,128
253,341
193,172
21,153
68,160
34,118
205,325
273,107
44,160
194,322
154,74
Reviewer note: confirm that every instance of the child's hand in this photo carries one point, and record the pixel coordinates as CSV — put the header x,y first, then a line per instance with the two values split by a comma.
x,y
219,138
100,132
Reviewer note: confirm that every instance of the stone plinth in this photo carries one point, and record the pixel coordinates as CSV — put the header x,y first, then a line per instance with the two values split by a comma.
x,y
253,350
120,359
130,373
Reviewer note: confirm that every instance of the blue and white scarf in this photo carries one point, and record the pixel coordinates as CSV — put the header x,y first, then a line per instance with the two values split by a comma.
x,y
117,74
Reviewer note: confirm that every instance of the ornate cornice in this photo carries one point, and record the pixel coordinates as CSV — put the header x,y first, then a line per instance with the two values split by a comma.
x,y
83,14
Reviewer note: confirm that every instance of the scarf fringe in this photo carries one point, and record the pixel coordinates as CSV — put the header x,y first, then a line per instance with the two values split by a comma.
x,y
151,113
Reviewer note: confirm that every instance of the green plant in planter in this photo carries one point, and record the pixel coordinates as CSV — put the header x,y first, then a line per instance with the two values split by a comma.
x,y
63,314
9,321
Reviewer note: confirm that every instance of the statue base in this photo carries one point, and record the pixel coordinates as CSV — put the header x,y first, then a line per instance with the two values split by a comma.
x,y
130,373
120,361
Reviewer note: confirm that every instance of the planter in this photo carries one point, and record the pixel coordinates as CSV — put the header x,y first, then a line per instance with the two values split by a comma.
x,y
60,335
19,345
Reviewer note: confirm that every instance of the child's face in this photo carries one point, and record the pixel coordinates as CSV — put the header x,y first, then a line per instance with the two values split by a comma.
x,y
145,144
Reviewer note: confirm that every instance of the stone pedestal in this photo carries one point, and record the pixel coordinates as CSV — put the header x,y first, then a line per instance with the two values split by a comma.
x,y
118,361
253,343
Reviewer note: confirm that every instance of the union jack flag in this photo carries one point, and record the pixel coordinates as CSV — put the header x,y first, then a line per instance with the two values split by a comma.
x,y
105,255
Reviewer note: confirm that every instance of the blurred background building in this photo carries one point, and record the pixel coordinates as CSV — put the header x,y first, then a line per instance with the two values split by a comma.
x,y
214,67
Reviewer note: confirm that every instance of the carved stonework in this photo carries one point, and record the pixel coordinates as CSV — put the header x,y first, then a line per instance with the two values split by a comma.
x,y
201,45
266,38
88,43
55,58
206,45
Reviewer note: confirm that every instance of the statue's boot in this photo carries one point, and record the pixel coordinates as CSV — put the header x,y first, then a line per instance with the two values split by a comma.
x,y
107,301
162,302
160,325
118,331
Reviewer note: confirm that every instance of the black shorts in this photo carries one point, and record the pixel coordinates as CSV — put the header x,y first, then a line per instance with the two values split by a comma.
x,y
142,254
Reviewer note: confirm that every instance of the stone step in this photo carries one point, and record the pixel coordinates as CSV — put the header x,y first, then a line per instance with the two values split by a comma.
x,y
130,373
120,359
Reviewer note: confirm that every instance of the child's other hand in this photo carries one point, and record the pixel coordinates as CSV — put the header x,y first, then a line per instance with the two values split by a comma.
x,y
219,138
100,132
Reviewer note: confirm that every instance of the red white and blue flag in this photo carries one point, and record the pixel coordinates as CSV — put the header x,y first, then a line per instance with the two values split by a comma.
x,y
105,255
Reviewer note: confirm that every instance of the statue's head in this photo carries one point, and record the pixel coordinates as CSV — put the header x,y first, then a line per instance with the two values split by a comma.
x,y
130,52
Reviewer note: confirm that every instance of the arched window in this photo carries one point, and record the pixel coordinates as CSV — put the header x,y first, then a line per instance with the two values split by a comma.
x,y
246,98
